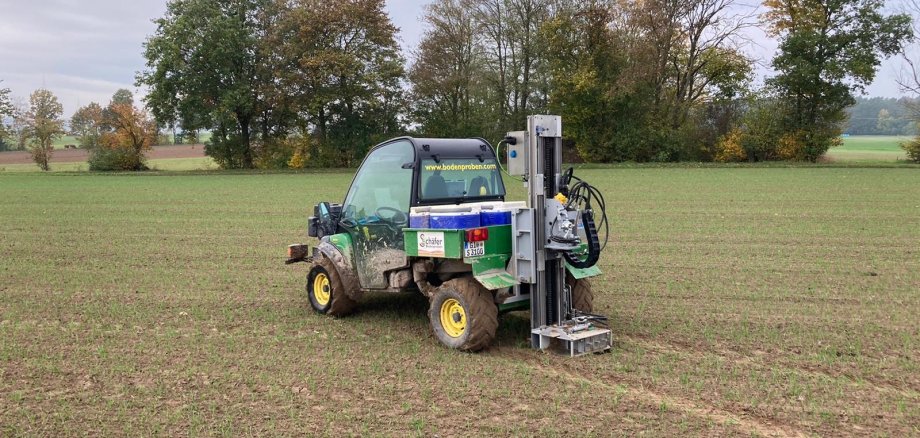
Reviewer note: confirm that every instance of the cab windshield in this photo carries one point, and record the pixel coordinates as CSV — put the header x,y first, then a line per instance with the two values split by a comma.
x,y
463,178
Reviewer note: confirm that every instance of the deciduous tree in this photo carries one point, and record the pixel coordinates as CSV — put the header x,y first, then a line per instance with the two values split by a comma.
x,y
131,129
127,136
18,127
86,124
706,59
829,49
342,69
909,78
203,71
43,124
448,91
604,99
122,97
517,74
6,115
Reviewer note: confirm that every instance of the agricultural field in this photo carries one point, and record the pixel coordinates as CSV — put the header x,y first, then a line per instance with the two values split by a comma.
x,y
167,158
64,140
167,164
869,148
744,301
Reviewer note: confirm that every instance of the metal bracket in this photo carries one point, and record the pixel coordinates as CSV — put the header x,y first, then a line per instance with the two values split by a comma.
x,y
572,339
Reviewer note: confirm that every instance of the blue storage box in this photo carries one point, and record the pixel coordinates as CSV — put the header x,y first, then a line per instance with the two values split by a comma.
x,y
453,221
420,220
490,218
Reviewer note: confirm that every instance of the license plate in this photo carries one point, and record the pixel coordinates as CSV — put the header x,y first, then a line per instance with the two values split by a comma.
x,y
474,249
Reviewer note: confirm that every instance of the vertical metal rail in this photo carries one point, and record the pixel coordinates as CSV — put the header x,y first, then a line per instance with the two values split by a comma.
x,y
537,196
550,186
544,172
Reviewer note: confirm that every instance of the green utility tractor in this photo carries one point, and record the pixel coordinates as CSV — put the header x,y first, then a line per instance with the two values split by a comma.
x,y
540,259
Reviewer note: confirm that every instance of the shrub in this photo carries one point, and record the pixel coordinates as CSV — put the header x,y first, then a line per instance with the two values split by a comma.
x,y
273,153
729,148
281,153
791,147
41,153
227,149
107,159
912,148
761,131
299,159
819,139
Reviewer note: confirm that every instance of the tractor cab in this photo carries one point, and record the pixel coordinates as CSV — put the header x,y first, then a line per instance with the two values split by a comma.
x,y
457,171
399,174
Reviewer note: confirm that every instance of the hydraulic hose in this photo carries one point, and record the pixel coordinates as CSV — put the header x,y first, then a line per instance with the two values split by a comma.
x,y
585,197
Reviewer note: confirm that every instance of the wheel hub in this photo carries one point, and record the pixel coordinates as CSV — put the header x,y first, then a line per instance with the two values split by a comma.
x,y
322,291
453,318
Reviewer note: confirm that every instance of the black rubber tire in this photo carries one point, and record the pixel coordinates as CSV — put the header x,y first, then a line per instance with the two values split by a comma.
x,y
582,293
481,314
340,304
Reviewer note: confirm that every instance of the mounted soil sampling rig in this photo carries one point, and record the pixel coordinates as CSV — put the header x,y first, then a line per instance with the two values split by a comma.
x,y
429,215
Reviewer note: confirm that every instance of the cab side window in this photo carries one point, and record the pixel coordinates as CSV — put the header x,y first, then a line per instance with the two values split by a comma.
x,y
381,182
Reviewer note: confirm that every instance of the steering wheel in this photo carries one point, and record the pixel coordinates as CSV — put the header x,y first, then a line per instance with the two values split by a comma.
x,y
348,222
396,216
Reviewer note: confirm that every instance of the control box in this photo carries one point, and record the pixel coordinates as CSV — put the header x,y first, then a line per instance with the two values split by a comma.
x,y
547,126
517,153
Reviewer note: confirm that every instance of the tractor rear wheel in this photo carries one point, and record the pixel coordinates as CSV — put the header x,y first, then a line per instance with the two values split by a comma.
x,y
325,290
582,293
463,314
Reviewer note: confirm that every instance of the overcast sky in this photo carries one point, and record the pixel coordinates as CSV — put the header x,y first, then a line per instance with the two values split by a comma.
x,y
84,50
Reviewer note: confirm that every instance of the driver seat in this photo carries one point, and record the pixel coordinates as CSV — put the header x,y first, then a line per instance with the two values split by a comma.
x,y
435,187
479,186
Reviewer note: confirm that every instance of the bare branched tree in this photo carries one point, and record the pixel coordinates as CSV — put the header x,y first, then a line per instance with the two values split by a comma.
x,y
691,46
711,34
446,71
909,76
511,30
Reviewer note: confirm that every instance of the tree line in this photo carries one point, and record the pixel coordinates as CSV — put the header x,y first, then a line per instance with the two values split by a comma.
x,y
298,83
881,116
117,135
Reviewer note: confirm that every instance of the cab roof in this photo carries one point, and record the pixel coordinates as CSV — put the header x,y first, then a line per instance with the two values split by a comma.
x,y
438,148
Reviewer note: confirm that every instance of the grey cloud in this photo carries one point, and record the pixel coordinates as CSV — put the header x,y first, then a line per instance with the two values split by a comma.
x,y
84,50
81,50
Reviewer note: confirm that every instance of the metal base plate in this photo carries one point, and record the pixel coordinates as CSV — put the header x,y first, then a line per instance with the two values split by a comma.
x,y
572,339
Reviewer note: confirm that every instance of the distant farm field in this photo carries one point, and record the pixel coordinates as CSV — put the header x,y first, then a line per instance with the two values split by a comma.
x,y
746,301
869,148
65,140
169,158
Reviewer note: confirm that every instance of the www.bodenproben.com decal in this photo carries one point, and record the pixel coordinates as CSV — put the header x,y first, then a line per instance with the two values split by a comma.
x,y
460,167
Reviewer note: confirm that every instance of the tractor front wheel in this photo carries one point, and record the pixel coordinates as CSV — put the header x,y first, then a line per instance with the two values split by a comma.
x,y
325,290
463,314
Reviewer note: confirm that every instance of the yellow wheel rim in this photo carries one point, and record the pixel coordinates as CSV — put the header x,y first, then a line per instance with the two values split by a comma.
x,y
453,318
321,289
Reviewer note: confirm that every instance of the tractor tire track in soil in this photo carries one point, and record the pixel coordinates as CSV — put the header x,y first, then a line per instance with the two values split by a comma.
x,y
875,384
560,370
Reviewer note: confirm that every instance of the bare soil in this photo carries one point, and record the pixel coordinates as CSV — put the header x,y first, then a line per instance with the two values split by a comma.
x,y
80,155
